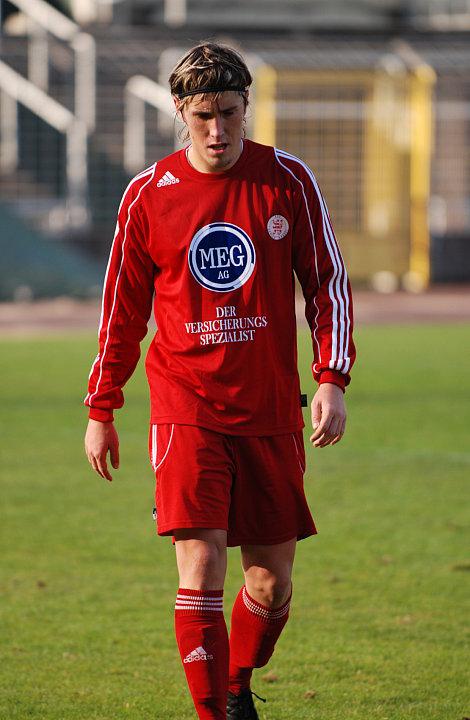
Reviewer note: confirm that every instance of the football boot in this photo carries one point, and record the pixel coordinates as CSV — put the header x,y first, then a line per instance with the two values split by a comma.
x,y
242,707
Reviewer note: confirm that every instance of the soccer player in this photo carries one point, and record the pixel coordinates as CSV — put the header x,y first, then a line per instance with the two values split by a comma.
x,y
212,236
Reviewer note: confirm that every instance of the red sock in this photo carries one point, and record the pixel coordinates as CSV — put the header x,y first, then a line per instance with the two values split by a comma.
x,y
202,640
254,631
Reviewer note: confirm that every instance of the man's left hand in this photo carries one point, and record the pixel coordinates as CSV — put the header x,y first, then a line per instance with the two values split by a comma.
x,y
328,415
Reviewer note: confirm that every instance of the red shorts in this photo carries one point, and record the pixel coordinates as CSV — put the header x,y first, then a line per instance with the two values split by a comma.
x,y
250,486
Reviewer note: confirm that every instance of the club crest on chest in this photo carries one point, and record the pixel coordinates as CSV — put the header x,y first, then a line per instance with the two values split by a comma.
x,y
278,227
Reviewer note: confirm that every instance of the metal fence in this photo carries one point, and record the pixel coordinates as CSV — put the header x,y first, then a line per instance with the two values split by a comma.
x,y
450,196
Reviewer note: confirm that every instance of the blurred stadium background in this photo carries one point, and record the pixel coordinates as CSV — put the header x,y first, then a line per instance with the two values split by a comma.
x,y
373,94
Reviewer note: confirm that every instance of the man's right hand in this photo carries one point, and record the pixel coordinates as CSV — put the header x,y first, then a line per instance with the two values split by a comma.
x,y
99,438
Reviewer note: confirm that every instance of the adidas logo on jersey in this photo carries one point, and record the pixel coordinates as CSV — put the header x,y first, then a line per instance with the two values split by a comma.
x,y
167,179
198,654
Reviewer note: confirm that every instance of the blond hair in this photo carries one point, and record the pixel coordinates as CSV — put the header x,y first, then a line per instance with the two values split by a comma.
x,y
210,65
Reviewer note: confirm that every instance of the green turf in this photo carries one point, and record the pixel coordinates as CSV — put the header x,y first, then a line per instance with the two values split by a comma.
x,y
377,629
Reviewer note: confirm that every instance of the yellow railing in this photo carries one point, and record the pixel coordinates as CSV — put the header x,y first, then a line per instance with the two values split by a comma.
x,y
422,83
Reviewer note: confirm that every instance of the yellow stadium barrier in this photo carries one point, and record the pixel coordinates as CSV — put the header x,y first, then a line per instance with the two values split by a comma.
x,y
367,135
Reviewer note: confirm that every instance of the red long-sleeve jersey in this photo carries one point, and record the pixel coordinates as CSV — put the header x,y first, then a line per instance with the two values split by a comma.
x,y
216,253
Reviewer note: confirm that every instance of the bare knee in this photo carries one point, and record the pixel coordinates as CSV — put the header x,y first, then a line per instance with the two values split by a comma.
x,y
201,558
268,571
267,588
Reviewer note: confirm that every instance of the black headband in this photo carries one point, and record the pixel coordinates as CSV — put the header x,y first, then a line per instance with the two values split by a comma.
x,y
205,90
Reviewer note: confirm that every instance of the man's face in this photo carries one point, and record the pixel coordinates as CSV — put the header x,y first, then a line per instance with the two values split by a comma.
x,y
216,130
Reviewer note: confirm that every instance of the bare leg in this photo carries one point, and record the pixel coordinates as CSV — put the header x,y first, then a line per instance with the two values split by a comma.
x,y
268,572
201,556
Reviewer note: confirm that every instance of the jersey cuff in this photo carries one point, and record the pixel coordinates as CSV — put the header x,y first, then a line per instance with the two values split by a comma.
x,y
334,377
101,415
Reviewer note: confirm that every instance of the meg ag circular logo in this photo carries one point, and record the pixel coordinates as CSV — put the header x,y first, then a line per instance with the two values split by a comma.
x,y
221,257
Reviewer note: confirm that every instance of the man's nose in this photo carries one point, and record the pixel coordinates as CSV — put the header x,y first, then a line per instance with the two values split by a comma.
x,y
216,126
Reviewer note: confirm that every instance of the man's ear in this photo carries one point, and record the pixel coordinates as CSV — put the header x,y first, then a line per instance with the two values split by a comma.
x,y
246,98
177,103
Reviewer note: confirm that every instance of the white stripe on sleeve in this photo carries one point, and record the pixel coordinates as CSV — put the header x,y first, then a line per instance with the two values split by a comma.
x,y
150,172
337,287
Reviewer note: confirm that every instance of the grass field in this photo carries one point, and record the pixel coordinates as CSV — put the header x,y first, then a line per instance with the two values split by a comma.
x,y
377,629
